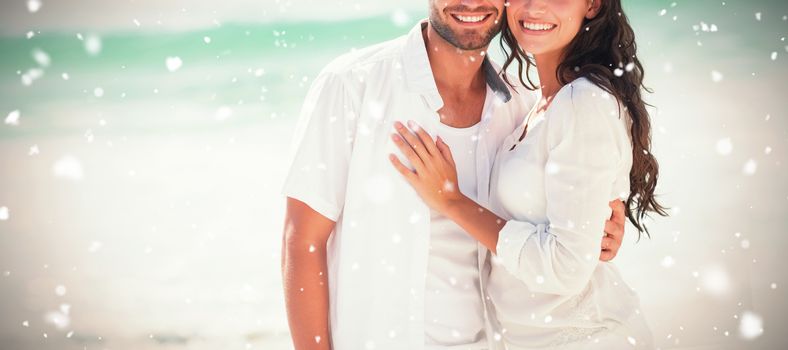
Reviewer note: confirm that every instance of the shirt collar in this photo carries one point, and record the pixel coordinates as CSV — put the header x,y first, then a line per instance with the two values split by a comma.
x,y
418,72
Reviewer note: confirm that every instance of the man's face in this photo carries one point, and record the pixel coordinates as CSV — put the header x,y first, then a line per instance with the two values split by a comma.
x,y
467,24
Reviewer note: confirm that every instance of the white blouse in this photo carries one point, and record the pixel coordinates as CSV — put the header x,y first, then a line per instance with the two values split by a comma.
x,y
547,285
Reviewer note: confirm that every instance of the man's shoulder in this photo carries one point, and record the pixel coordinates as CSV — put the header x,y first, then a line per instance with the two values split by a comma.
x,y
364,58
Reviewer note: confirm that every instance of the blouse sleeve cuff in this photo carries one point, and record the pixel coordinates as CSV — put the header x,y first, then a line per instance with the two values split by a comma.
x,y
511,242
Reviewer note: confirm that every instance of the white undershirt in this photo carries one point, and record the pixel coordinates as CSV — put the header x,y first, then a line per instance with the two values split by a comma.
x,y
454,313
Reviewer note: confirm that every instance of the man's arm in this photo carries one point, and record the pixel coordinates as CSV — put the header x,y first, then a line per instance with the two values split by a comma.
x,y
305,275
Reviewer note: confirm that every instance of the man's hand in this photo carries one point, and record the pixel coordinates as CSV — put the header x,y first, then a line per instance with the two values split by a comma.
x,y
614,231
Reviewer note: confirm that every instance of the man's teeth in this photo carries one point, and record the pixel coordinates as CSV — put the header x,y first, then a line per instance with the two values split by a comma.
x,y
538,26
470,19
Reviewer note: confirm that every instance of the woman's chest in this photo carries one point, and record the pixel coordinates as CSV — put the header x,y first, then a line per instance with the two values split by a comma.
x,y
519,174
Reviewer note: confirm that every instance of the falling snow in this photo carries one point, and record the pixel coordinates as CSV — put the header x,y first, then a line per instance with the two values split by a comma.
x,y
41,57
92,45
33,5
715,281
668,262
750,167
750,325
724,146
13,117
68,167
173,63
716,76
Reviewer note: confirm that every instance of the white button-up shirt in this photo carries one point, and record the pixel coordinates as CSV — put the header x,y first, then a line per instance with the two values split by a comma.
x,y
377,254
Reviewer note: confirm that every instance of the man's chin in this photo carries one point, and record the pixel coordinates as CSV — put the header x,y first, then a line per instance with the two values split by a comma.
x,y
472,44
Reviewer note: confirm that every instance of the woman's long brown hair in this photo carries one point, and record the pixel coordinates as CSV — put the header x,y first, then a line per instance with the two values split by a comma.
x,y
604,52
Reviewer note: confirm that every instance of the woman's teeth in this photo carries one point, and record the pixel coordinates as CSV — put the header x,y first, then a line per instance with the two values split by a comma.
x,y
538,26
470,19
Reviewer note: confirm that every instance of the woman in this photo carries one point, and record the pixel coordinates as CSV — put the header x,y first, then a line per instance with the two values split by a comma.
x,y
585,142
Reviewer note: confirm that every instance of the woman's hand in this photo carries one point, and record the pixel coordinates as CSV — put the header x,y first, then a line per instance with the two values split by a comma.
x,y
435,175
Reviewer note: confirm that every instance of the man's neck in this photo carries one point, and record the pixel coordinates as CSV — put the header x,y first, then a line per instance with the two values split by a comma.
x,y
456,71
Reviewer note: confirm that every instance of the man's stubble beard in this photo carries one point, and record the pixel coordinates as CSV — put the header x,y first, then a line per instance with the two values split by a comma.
x,y
455,39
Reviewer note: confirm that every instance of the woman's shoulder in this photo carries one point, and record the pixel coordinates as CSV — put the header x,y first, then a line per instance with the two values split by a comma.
x,y
582,99
587,95
582,104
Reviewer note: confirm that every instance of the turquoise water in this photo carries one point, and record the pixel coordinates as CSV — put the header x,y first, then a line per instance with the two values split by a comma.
x,y
263,69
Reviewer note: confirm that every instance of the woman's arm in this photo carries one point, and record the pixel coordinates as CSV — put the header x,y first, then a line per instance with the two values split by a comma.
x,y
558,258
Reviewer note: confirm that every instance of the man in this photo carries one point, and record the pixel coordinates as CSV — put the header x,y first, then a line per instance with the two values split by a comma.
x,y
366,265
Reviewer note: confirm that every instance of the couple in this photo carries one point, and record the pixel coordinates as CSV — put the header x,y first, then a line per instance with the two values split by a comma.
x,y
434,203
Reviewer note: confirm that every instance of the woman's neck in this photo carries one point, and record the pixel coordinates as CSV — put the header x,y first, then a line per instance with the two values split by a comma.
x,y
546,67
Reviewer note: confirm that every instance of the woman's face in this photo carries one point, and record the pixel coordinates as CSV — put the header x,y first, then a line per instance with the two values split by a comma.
x,y
547,26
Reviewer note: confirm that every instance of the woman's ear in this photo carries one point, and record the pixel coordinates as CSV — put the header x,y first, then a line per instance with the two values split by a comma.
x,y
593,8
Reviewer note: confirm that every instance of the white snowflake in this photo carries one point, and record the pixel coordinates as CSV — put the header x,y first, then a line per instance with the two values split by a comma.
x,y
173,63
750,167
716,76
715,281
60,290
223,113
33,5
750,325
668,261
400,18
724,146
41,57
68,167
92,44
13,117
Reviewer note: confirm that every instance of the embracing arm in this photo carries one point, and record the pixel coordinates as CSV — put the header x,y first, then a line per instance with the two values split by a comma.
x,y
556,258
485,226
304,274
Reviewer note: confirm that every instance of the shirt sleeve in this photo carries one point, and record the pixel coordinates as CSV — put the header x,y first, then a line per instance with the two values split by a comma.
x,y
322,146
584,155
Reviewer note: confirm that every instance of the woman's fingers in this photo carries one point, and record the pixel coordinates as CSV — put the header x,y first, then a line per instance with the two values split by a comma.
x,y
445,151
408,174
408,151
424,137
413,141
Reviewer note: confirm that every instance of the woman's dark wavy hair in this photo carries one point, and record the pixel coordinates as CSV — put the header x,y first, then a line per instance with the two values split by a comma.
x,y
605,45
